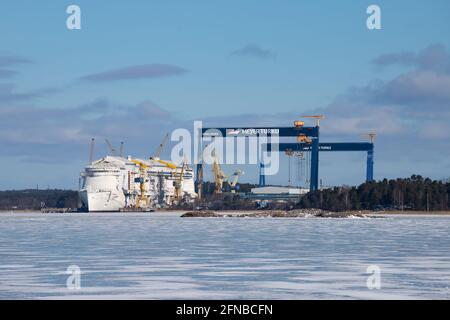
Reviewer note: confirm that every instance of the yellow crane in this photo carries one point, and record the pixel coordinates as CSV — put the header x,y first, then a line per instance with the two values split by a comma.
x,y
179,183
167,163
302,138
219,175
142,179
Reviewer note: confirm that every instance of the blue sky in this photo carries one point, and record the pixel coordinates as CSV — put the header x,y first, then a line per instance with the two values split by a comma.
x,y
227,63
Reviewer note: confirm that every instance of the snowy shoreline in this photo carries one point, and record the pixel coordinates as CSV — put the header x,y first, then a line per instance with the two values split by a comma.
x,y
300,213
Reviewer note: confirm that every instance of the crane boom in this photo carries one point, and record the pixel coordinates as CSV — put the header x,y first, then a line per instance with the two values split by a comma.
x,y
167,163
111,148
157,153
140,163
219,175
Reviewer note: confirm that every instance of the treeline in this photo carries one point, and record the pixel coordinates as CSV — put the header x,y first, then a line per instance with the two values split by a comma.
x,y
414,193
36,199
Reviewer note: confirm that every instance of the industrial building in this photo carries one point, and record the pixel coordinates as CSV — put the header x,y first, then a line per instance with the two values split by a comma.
x,y
276,193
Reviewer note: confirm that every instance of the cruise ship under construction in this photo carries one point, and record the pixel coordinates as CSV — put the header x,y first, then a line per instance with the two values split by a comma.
x,y
118,183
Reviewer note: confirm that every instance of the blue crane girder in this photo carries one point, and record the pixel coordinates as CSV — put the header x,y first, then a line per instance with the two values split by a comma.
x,y
324,146
258,131
314,146
330,147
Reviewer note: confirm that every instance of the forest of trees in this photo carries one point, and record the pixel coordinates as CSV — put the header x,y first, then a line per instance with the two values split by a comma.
x,y
36,199
414,193
208,187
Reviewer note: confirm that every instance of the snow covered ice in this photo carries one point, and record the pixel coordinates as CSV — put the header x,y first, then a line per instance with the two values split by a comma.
x,y
163,256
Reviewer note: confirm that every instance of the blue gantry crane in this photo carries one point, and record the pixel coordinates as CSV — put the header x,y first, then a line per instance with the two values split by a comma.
x,y
331,147
307,141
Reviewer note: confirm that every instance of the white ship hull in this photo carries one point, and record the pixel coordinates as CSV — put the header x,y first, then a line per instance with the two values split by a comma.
x,y
101,201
